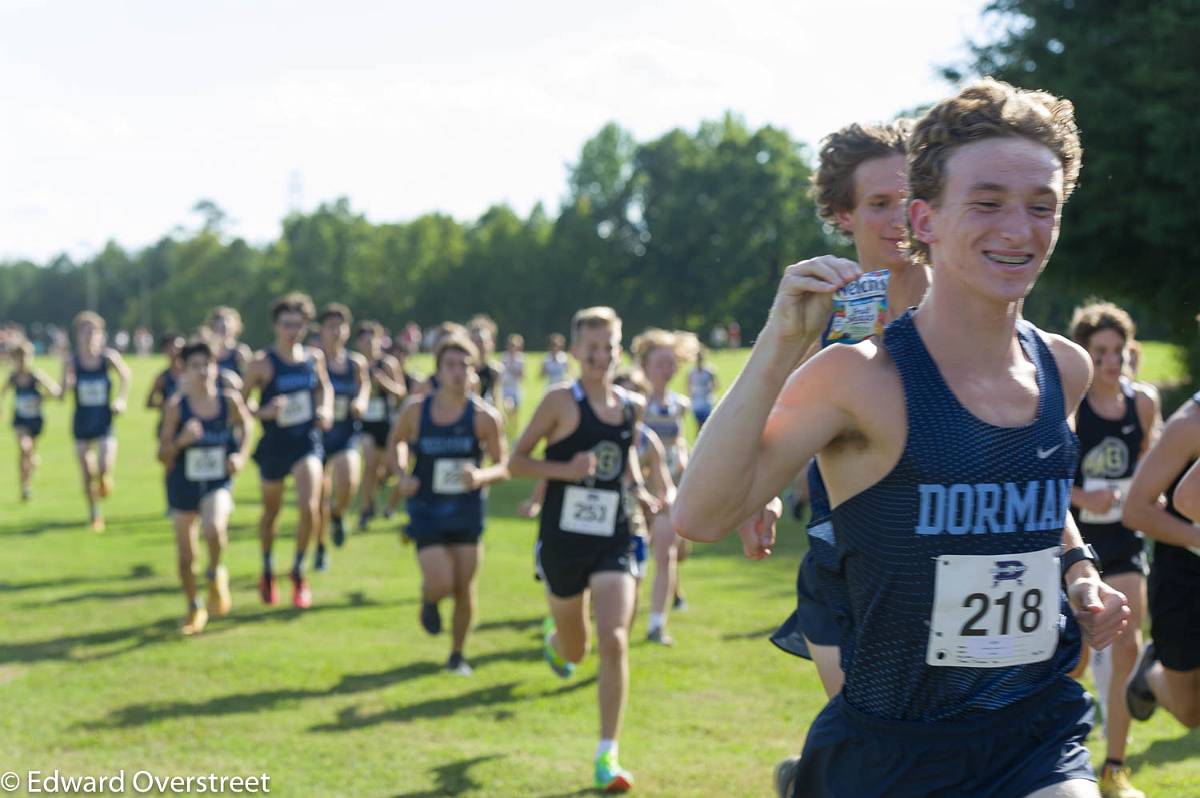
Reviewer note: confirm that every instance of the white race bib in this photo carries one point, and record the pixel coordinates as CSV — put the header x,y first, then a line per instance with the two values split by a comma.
x,y
376,409
28,406
994,610
297,409
92,393
204,463
588,511
341,408
1113,515
448,476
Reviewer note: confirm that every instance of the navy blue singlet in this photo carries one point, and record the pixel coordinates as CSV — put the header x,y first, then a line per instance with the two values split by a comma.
x,y
345,388
297,381
199,468
441,503
93,401
961,487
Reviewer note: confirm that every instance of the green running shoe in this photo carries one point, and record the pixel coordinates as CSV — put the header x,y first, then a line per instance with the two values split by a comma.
x,y
610,776
557,664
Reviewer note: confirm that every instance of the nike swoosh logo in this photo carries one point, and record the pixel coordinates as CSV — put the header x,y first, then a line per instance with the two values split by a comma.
x,y
1129,429
1044,453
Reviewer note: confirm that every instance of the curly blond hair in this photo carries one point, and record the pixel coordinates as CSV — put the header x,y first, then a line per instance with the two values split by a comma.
x,y
984,110
684,344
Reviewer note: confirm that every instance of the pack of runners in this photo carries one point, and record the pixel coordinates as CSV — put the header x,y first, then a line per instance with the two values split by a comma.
x,y
977,491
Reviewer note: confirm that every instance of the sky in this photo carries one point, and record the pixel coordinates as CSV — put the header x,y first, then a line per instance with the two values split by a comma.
x,y
120,116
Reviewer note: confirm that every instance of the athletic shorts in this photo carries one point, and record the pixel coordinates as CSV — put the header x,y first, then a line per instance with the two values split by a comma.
x,y
184,495
377,431
1006,753
457,537
567,570
1120,551
32,426
275,462
813,617
84,433
1174,594
701,412
639,554
335,442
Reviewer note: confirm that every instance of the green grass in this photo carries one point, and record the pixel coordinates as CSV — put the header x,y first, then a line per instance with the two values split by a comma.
x,y
1162,364
348,698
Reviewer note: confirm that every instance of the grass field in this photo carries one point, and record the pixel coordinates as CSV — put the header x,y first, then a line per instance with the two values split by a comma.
x,y
349,698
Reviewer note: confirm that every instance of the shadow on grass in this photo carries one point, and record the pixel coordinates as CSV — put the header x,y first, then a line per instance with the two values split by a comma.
x,y
757,634
113,525
106,595
166,630
139,571
267,700
452,779
1162,752
485,697
514,624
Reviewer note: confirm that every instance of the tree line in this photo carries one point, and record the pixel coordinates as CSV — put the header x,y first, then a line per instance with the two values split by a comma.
x,y
695,226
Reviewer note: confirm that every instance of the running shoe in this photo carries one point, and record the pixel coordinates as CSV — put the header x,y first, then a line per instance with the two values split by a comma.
x,y
557,664
339,532
301,595
785,776
1114,783
1138,695
268,590
660,636
610,776
431,619
458,665
220,602
197,619
679,604
321,560
364,518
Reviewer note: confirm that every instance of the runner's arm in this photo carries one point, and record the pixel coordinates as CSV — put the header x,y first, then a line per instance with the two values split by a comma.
x,y
769,424
1178,445
68,378
487,427
391,378
52,388
363,374
541,427
124,378
241,419
154,399
658,476
167,450
1149,410
401,433
324,409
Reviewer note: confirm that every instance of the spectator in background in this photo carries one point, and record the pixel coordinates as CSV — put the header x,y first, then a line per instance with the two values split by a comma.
x,y
735,334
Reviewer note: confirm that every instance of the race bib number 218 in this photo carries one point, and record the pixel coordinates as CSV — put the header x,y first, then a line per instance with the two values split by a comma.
x,y
994,611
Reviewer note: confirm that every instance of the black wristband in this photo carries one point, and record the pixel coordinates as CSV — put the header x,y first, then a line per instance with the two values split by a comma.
x,y
1072,556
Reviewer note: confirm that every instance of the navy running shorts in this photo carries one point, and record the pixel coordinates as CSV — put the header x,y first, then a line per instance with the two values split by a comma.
x,y
813,618
1007,753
